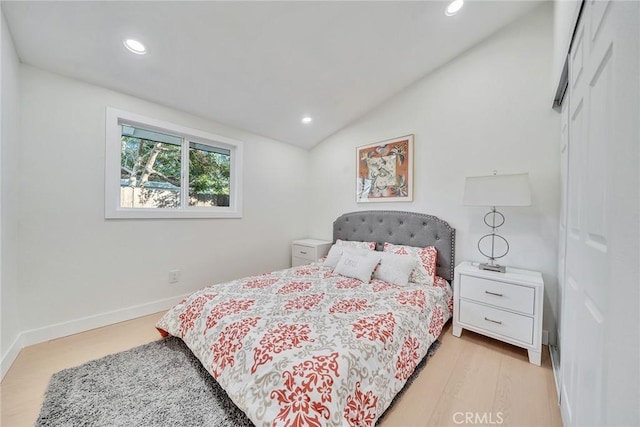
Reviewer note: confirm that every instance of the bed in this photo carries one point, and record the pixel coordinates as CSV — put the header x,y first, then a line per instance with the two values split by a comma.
x,y
307,346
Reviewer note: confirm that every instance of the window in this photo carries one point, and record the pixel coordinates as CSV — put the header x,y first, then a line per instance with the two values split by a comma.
x,y
161,170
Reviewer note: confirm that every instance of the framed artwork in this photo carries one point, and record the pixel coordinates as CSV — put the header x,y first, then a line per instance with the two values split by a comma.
x,y
385,171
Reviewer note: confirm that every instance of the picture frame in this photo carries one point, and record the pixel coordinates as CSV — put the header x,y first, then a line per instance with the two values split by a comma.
x,y
384,171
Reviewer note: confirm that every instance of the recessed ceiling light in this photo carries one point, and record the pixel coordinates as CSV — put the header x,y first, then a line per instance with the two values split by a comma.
x,y
454,7
135,46
306,120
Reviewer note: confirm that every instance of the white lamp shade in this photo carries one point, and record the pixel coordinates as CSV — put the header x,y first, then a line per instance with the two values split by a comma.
x,y
497,190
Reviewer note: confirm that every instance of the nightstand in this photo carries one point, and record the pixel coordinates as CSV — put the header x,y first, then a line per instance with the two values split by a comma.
x,y
308,250
505,306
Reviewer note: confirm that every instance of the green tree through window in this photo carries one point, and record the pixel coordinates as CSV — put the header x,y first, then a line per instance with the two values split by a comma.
x,y
151,166
209,169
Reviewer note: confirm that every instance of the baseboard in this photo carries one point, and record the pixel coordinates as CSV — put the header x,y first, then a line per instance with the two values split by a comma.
x,y
545,337
553,353
59,330
10,356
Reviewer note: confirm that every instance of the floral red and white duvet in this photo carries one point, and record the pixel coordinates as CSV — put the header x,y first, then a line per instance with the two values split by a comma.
x,y
303,346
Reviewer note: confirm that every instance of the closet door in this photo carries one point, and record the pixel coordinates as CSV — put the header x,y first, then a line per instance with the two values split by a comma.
x,y
562,232
600,324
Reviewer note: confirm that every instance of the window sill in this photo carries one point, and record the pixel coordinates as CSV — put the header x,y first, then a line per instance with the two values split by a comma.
x,y
172,213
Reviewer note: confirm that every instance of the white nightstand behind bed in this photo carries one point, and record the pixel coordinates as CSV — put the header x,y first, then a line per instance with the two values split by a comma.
x,y
505,306
305,251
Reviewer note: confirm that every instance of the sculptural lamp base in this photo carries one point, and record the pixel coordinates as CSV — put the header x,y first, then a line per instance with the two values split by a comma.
x,y
492,267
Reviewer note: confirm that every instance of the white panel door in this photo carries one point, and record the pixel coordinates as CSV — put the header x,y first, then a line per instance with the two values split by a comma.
x,y
600,327
562,232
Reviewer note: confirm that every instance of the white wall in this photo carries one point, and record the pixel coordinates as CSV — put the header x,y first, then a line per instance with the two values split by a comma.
x,y
489,109
73,263
9,146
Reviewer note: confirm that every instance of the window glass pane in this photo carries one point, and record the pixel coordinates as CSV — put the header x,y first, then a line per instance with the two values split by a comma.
x,y
149,169
208,175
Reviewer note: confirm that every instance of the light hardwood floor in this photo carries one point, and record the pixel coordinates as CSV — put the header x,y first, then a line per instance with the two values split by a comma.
x,y
471,378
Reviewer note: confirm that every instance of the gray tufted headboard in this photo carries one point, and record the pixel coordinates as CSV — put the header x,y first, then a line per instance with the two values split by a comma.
x,y
401,228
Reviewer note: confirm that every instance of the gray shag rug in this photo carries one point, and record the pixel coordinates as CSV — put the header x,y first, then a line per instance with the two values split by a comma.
x,y
157,384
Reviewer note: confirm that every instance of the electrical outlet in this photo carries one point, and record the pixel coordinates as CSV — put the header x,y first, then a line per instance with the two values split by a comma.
x,y
174,276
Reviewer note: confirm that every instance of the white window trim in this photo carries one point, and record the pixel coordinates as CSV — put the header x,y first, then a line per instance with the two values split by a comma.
x,y
114,117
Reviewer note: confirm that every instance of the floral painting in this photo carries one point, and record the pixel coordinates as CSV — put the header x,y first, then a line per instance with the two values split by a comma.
x,y
385,171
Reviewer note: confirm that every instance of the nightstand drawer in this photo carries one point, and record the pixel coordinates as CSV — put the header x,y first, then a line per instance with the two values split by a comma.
x,y
304,252
507,324
499,294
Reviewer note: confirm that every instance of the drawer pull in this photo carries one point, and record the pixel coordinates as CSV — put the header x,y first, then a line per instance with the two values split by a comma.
x,y
493,293
494,321
303,252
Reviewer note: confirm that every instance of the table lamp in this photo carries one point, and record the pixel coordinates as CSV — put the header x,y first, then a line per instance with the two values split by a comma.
x,y
496,190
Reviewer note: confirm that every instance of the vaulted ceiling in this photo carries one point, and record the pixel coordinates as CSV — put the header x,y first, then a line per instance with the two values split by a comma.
x,y
259,66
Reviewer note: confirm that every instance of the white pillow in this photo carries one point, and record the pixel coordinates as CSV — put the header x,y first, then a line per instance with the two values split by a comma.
x,y
336,252
356,244
358,266
395,269
426,258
